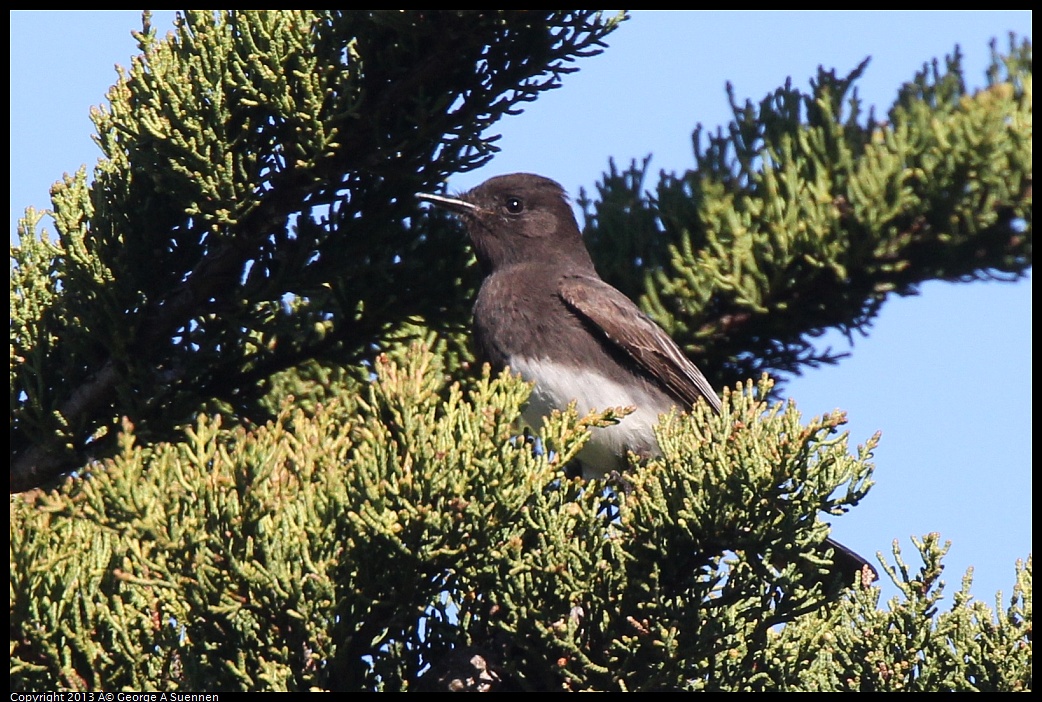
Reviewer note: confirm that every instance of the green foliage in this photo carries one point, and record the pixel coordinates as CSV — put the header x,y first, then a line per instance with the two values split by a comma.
x,y
251,213
261,560
363,546
911,646
804,214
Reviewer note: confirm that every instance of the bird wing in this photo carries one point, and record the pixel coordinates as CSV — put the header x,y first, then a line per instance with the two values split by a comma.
x,y
632,331
623,324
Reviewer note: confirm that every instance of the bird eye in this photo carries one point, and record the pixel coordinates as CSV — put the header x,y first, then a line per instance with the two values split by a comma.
x,y
515,205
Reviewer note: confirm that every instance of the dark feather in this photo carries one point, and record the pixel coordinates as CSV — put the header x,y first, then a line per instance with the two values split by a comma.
x,y
621,322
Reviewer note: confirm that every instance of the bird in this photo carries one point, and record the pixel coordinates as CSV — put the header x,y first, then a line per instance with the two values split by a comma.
x,y
543,311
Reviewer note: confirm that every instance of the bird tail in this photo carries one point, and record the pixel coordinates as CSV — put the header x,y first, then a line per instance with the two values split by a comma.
x,y
849,564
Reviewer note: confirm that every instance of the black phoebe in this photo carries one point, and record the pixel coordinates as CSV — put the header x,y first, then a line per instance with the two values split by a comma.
x,y
543,311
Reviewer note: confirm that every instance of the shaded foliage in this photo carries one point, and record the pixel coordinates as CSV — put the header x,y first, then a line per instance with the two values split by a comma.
x,y
252,212
805,214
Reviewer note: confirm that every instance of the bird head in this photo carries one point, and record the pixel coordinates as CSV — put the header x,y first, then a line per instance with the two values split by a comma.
x,y
517,218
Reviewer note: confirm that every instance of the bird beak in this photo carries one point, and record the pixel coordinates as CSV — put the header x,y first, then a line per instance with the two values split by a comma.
x,y
449,203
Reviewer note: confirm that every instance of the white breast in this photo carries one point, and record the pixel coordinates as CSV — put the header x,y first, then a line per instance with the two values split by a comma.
x,y
557,385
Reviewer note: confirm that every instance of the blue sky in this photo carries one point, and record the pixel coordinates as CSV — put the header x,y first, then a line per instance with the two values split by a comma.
x,y
945,375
